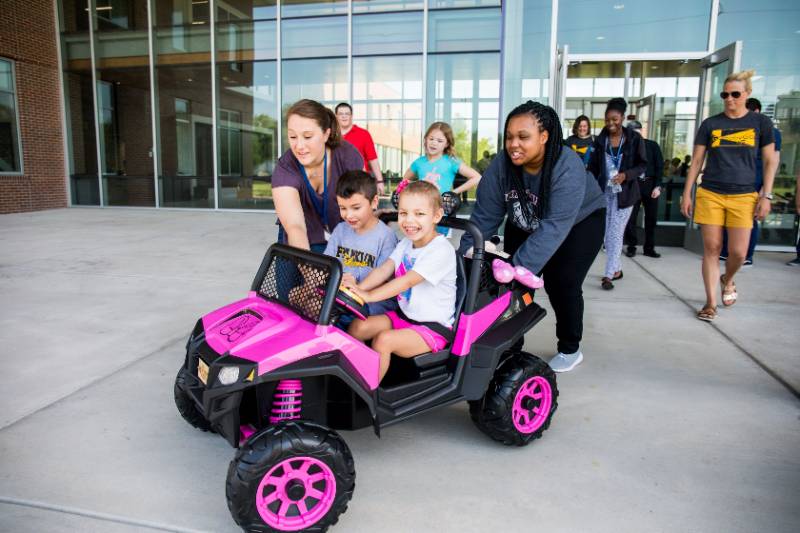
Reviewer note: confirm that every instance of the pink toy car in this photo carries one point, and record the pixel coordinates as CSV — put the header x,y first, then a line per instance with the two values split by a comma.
x,y
273,376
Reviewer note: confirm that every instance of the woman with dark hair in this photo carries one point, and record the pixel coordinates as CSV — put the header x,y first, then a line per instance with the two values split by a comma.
x,y
581,140
554,214
617,161
305,177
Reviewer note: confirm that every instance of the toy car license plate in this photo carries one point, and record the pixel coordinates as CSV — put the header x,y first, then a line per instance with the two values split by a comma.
x,y
202,371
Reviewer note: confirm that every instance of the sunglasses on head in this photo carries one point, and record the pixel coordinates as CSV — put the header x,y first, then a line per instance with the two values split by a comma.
x,y
735,94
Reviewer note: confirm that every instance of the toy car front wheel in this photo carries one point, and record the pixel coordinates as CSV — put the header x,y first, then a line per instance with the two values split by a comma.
x,y
186,406
293,476
520,401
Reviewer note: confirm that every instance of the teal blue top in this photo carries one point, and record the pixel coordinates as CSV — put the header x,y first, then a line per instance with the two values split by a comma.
x,y
441,172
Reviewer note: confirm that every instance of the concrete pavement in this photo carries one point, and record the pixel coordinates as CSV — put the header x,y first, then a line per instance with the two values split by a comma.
x,y
670,424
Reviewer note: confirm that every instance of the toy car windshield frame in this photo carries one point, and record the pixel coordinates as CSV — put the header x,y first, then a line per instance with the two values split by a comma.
x,y
291,277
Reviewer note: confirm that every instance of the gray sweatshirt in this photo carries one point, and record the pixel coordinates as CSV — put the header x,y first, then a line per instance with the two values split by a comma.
x,y
574,195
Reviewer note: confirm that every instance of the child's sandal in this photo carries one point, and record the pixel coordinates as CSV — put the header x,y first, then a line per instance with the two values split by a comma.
x,y
707,313
729,296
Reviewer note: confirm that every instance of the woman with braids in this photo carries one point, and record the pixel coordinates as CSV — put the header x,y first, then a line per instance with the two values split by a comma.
x,y
618,159
554,214
304,181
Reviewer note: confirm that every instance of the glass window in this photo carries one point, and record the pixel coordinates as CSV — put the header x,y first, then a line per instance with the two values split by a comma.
x,y
389,33
614,26
9,134
434,4
319,79
181,31
185,136
246,10
526,52
311,8
464,91
246,41
771,46
124,103
387,100
323,80
184,106
374,6
230,142
248,133
314,37
79,100
466,30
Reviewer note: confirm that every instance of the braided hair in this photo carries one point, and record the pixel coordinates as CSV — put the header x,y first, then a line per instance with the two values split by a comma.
x,y
548,121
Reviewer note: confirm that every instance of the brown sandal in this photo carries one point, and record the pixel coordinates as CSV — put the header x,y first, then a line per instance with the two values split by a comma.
x,y
728,296
707,313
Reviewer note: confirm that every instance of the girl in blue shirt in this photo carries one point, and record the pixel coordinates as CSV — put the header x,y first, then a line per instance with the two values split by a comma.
x,y
439,164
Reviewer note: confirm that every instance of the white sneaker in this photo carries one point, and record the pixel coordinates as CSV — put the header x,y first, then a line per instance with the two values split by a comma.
x,y
564,362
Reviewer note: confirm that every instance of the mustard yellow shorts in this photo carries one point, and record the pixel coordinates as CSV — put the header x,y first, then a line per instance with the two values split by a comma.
x,y
729,210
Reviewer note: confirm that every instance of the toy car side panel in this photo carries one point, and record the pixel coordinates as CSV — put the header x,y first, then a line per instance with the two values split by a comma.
x,y
333,364
488,349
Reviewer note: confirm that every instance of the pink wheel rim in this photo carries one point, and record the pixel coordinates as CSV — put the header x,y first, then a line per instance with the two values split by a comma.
x,y
296,493
532,404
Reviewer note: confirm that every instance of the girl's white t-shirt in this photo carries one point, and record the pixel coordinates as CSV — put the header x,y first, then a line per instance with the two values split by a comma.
x,y
433,300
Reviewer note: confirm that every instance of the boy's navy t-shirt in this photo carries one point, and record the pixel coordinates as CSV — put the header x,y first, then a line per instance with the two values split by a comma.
x,y
733,145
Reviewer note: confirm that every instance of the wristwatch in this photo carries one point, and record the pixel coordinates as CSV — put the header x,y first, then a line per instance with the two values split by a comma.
x,y
768,195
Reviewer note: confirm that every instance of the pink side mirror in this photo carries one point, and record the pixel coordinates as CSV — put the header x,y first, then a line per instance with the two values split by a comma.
x,y
503,272
528,278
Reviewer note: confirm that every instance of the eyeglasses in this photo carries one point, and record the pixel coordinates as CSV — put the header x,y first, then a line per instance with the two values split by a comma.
x,y
735,94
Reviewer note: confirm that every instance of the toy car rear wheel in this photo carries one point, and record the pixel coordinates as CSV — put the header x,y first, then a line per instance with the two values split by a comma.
x,y
520,401
186,406
293,476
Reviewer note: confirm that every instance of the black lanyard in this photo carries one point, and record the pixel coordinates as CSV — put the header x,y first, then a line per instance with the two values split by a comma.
x,y
322,210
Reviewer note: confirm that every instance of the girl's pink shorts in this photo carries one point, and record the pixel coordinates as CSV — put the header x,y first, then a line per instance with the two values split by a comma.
x,y
434,341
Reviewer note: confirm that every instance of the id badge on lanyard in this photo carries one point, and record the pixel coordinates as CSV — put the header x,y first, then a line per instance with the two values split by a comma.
x,y
320,207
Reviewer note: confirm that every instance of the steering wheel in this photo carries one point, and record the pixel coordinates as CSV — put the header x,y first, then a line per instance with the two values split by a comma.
x,y
348,303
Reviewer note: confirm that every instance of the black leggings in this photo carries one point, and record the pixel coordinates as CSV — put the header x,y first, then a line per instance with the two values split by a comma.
x,y
564,274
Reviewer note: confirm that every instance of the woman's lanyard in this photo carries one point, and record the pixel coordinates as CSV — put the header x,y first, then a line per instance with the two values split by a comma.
x,y
322,210
616,158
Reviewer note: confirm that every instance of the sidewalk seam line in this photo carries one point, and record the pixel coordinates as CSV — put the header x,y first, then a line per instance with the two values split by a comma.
x,y
774,375
94,515
93,382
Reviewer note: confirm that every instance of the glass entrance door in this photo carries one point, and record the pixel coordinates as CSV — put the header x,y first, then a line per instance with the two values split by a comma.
x,y
715,68
644,110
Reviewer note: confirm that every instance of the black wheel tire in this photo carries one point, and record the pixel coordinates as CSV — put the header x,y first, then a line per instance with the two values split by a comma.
x,y
186,406
275,444
493,413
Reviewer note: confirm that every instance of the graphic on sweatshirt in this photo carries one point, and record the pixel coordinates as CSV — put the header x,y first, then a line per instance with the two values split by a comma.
x,y
516,212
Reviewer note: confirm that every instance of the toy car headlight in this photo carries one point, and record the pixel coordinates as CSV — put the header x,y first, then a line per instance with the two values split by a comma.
x,y
228,375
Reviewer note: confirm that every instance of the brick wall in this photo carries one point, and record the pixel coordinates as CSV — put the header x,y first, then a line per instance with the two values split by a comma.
x,y
28,37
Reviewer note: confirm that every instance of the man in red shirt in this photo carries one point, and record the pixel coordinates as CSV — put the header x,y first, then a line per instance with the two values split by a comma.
x,y
362,140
